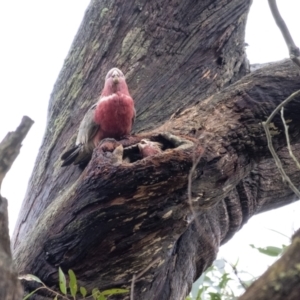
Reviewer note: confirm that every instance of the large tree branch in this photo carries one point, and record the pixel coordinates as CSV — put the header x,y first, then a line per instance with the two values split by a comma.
x,y
151,206
293,49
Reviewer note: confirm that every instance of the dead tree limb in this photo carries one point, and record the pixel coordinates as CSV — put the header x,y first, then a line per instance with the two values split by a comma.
x,y
293,49
10,288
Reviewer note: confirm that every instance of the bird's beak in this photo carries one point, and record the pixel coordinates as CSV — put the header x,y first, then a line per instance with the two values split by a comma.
x,y
115,77
142,144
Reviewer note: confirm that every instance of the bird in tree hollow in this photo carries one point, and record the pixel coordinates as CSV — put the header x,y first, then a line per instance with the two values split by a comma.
x,y
111,117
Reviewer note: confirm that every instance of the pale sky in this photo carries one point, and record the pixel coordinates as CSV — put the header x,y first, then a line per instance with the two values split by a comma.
x,y
35,38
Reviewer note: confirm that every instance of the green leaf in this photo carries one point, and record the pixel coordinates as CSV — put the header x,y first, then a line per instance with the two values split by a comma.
x,y
83,291
269,250
72,283
114,292
55,298
215,296
30,294
201,291
224,280
96,293
101,297
62,281
30,277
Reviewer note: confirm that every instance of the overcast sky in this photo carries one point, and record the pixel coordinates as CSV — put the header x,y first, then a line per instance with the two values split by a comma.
x,y
35,38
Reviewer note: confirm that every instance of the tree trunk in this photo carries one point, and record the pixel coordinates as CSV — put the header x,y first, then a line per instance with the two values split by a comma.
x,y
186,69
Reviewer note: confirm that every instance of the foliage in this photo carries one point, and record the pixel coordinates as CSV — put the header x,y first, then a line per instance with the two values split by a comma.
x,y
222,283
214,284
71,286
270,250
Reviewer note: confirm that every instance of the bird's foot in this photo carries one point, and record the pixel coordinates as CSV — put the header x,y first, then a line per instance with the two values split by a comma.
x,y
107,140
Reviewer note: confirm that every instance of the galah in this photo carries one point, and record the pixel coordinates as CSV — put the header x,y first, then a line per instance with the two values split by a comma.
x,y
149,148
111,117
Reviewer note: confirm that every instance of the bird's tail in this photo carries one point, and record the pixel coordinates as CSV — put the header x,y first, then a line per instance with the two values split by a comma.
x,y
70,156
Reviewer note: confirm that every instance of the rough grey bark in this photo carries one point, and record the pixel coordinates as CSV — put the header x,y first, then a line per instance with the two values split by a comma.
x,y
186,68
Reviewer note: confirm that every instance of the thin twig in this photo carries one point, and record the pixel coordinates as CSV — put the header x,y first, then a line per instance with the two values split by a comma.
x,y
190,180
278,162
132,287
56,293
235,271
270,144
293,49
286,129
282,104
196,160
295,57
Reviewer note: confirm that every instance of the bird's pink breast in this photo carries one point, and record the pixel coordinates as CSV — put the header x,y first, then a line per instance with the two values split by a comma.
x,y
114,114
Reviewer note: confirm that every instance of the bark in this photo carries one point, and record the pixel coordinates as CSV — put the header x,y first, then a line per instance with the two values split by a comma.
x,y
10,287
186,67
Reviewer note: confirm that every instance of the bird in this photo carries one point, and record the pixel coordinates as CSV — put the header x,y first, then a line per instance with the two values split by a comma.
x,y
111,117
149,148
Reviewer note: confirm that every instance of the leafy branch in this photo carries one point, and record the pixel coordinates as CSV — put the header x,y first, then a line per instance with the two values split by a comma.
x,y
72,286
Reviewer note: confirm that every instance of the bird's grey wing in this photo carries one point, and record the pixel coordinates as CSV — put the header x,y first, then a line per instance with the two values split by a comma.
x,y
88,128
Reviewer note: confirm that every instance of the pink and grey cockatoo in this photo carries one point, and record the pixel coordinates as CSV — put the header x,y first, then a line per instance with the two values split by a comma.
x,y
111,117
